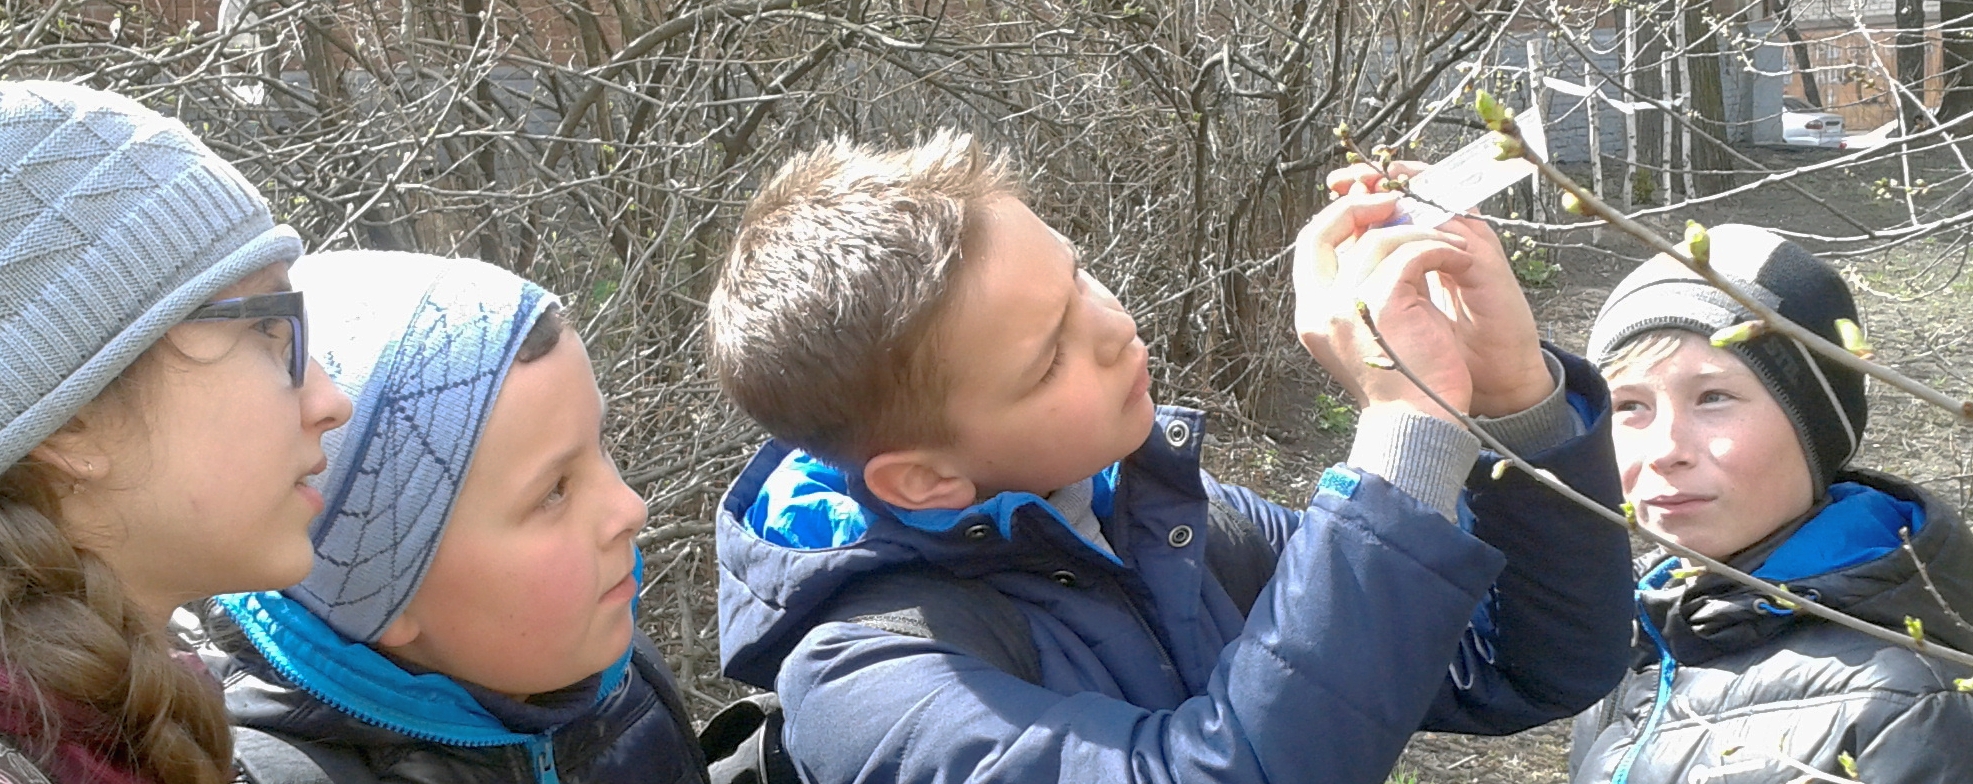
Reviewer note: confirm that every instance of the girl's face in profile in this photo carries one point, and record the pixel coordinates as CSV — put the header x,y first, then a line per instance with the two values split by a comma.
x,y
194,483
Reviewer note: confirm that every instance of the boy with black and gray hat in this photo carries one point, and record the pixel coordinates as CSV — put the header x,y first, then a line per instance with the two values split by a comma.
x,y
1741,453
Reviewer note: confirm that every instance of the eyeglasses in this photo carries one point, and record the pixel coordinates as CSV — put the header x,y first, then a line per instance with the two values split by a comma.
x,y
280,305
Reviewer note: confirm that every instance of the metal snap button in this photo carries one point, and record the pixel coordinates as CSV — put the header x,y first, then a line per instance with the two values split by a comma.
x,y
1177,433
979,533
1180,536
1065,577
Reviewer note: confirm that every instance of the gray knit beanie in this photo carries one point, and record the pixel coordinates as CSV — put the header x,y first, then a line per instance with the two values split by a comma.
x,y
1824,400
115,222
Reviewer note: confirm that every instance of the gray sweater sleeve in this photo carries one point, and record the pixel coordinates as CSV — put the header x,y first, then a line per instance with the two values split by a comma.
x,y
1543,426
1428,458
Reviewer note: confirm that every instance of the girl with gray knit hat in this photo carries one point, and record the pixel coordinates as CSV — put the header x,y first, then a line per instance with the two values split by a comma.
x,y
1742,453
159,418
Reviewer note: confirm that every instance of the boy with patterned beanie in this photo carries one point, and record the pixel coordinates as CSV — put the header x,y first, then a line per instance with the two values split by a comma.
x,y
470,614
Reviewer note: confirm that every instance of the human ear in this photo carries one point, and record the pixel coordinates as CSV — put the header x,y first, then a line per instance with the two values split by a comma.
x,y
401,631
75,455
917,479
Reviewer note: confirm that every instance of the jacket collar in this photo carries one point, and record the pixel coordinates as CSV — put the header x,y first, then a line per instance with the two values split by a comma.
x,y
1847,555
789,498
358,681
776,571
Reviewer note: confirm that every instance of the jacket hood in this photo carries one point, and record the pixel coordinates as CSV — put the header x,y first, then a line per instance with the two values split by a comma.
x,y
793,531
1849,556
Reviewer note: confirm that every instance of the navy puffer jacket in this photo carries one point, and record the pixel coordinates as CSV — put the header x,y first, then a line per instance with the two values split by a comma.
x,y
1381,619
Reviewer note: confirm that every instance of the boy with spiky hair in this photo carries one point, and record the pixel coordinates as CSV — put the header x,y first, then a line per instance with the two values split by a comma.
x,y
977,551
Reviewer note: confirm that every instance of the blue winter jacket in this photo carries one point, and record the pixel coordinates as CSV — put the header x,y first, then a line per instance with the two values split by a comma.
x,y
1149,671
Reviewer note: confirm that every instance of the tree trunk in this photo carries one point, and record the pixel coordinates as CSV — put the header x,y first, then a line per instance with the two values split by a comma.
x,y
1911,60
492,247
1956,36
1784,15
1647,82
1708,155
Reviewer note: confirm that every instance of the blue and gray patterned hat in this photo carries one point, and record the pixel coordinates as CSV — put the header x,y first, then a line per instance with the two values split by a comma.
x,y
115,222
421,344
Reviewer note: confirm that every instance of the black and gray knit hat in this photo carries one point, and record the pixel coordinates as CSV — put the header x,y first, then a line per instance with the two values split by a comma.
x,y
1825,400
115,222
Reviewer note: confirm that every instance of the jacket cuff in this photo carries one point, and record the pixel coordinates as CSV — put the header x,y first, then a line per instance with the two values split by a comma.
x,y
1425,457
1543,426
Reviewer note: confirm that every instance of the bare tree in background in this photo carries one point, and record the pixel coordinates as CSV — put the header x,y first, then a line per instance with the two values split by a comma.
x,y
1804,67
1956,57
605,148
1910,37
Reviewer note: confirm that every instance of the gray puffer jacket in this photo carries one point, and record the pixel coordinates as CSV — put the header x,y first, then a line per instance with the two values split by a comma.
x,y
1729,689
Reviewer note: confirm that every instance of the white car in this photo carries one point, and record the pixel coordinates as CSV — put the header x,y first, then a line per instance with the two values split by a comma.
x,y
1870,140
1806,125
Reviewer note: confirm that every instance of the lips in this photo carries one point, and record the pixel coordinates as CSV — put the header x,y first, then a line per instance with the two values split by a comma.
x,y
1678,503
307,491
622,589
1142,385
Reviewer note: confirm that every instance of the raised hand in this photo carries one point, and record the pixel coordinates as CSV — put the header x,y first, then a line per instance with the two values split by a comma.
x,y
1490,315
1340,259
1496,327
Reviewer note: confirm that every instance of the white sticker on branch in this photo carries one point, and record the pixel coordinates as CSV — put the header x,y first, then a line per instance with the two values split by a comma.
x,y
1467,177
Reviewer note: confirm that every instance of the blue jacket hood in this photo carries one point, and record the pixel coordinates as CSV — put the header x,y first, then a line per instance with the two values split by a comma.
x,y
806,504
792,530
1859,523
1847,555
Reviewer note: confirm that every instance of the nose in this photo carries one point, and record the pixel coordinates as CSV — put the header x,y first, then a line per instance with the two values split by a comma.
x,y
1666,443
1114,327
627,513
324,407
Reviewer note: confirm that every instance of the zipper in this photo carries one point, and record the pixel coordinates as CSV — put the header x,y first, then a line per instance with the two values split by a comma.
x,y
1667,669
541,751
1667,672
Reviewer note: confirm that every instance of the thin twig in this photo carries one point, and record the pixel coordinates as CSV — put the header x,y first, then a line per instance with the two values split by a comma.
x,y
1962,410
1712,565
1810,774
1925,575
